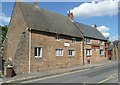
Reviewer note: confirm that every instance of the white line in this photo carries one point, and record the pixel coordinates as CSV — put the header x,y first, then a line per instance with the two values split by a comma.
x,y
110,77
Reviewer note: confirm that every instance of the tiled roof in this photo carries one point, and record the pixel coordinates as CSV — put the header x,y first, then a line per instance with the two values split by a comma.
x,y
89,31
44,20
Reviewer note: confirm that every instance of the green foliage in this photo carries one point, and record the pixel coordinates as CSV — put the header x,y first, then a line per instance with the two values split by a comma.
x,y
3,32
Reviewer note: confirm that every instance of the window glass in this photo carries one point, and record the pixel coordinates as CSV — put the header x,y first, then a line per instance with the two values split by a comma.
x,y
88,52
57,37
71,52
38,52
59,52
101,52
88,41
73,40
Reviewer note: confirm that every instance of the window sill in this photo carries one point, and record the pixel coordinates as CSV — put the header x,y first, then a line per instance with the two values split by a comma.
x,y
101,45
59,56
88,55
71,56
88,43
101,55
38,57
57,40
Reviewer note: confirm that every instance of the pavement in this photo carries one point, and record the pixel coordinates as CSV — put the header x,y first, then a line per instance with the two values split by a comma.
x,y
43,74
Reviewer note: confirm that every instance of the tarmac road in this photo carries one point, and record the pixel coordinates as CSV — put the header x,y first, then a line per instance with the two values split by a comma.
x,y
106,74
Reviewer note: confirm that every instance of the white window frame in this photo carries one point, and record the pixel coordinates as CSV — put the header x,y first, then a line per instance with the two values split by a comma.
x,y
71,53
87,41
73,40
101,53
88,52
38,55
57,37
59,52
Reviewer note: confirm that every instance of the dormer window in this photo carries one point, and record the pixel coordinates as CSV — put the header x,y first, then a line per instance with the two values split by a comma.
x,y
88,41
57,37
101,42
73,40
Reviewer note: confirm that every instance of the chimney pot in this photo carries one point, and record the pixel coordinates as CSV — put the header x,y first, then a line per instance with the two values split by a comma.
x,y
70,15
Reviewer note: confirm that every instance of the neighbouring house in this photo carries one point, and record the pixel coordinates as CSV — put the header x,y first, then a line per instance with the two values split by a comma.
x,y
110,52
39,40
114,50
95,44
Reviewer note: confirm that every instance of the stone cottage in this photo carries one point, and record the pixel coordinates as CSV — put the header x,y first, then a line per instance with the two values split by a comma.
x,y
113,51
95,45
39,40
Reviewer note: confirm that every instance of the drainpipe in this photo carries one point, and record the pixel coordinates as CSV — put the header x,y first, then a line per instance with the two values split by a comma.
x,y
29,30
83,52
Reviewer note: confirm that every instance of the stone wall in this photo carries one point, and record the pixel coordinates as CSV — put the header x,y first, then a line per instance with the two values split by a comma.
x,y
16,28
95,57
49,59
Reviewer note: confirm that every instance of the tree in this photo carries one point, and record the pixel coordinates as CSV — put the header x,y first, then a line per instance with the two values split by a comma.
x,y
3,33
0,36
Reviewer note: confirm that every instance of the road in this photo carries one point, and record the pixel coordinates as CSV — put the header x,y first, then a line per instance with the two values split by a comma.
x,y
105,74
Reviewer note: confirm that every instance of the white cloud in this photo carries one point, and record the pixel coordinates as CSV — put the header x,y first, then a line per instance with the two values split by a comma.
x,y
4,19
106,34
104,30
102,8
113,38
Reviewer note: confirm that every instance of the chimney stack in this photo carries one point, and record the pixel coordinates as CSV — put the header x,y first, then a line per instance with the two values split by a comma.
x,y
95,26
36,4
70,15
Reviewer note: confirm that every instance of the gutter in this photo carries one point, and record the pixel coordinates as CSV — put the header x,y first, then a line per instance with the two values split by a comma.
x,y
83,52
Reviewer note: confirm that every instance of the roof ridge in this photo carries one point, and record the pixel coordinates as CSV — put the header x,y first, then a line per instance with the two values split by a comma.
x,y
39,8
48,21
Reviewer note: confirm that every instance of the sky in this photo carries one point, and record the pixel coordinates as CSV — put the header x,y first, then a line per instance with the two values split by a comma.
x,y
103,13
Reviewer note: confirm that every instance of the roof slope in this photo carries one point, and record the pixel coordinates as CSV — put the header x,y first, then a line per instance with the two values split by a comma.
x,y
43,20
89,31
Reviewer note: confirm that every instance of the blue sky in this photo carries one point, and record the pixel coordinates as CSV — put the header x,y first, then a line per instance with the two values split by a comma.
x,y
108,24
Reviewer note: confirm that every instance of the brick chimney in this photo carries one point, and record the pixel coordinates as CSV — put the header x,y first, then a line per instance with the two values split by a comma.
x,y
36,4
70,15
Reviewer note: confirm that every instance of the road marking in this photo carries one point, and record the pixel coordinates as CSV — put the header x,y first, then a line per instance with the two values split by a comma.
x,y
109,77
55,76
